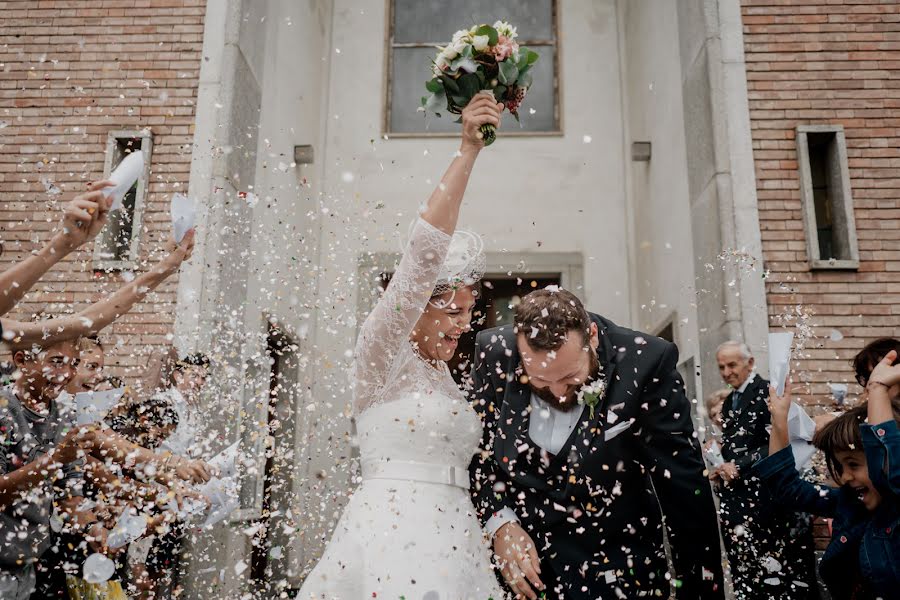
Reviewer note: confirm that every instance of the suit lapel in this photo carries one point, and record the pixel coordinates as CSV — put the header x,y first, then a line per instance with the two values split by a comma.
x,y
749,394
588,428
515,416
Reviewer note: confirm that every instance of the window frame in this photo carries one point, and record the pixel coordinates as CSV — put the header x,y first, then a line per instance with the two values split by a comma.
x,y
388,79
807,199
143,184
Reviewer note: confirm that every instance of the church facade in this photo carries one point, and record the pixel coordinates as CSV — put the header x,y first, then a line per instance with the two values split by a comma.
x,y
701,170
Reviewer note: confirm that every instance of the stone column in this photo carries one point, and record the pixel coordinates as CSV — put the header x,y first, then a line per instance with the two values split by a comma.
x,y
721,181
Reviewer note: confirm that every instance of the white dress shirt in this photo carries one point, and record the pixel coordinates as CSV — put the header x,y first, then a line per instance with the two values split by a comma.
x,y
549,428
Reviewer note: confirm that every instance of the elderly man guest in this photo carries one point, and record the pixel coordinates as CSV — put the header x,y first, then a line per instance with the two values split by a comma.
x,y
769,549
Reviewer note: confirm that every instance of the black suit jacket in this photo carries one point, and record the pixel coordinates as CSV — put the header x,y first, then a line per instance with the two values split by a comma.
x,y
745,439
595,509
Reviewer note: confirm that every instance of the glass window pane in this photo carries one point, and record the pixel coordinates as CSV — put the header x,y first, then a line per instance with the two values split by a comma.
x,y
412,68
435,21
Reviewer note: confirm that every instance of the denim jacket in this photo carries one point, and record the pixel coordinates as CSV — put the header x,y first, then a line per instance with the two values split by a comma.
x,y
863,542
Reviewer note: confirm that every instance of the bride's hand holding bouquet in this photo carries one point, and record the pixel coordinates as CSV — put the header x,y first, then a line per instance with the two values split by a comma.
x,y
482,111
483,58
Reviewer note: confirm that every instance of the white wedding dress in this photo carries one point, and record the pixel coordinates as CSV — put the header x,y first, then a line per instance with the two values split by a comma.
x,y
410,530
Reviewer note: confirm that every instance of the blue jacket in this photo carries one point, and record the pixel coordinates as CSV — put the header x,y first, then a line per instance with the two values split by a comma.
x,y
863,542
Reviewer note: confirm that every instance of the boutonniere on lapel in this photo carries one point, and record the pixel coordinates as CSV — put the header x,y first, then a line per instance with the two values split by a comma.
x,y
592,393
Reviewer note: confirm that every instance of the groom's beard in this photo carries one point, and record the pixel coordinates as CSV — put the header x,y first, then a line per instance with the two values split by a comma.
x,y
568,402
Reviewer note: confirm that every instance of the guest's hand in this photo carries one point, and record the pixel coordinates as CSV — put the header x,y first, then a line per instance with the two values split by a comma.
x,y
178,253
881,388
97,537
67,450
195,471
84,217
885,374
726,472
482,109
519,562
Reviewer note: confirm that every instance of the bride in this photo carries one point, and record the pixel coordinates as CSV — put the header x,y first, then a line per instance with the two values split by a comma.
x,y
410,529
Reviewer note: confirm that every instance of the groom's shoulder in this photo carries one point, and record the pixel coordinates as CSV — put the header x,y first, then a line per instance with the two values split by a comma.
x,y
630,340
496,338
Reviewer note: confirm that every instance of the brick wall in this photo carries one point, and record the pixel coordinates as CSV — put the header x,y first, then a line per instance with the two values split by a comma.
x,y
70,71
822,62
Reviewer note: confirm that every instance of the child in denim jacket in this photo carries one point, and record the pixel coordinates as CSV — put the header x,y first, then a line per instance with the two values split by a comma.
x,y
862,561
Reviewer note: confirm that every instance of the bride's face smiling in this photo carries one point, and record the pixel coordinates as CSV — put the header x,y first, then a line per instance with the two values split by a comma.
x,y
447,317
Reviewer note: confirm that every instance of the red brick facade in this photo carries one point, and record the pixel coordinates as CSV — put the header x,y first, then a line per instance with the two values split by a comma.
x,y
826,62
71,71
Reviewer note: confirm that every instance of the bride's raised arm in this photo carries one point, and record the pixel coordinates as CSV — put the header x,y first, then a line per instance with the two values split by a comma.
x,y
394,316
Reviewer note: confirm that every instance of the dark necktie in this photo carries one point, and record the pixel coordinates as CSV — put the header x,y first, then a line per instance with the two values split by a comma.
x,y
735,399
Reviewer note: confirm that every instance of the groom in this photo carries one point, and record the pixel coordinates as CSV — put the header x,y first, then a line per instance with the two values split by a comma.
x,y
573,487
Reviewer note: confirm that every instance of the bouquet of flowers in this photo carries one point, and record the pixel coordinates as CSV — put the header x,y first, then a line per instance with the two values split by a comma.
x,y
484,57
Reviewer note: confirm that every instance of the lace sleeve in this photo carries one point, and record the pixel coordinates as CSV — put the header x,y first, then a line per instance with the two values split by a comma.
x,y
391,321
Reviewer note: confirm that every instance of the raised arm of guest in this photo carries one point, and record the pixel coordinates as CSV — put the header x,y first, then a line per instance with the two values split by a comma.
x,y
15,483
117,448
100,314
778,470
83,218
881,436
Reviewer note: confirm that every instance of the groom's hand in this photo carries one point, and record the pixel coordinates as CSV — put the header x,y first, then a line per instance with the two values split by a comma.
x,y
519,561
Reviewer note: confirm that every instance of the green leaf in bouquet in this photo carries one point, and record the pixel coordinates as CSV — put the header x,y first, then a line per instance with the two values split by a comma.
x,y
481,79
449,84
522,58
500,93
459,101
433,85
532,56
493,36
525,79
508,72
469,85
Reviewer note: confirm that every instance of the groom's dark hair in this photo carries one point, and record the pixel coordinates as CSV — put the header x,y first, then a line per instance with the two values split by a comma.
x,y
545,317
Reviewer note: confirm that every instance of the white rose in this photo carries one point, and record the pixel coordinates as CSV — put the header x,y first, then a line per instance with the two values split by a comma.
x,y
504,28
480,42
450,52
462,33
440,63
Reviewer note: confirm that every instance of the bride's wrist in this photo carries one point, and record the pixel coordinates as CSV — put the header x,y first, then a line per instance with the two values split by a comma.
x,y
469,148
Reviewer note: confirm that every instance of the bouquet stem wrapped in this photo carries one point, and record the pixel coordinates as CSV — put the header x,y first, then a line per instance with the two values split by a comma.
x,y
485,57
489,133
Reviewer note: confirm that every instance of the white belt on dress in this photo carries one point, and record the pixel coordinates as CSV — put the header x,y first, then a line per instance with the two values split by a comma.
x,y
416,471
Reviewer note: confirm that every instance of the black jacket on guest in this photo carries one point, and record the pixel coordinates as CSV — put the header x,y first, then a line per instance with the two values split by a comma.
x,y
745,437
595,509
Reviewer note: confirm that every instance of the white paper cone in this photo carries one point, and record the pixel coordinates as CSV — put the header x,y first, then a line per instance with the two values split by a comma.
x,y
92,407
98,568
184,214
779,358
128,171
801,429
225,462
128,528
